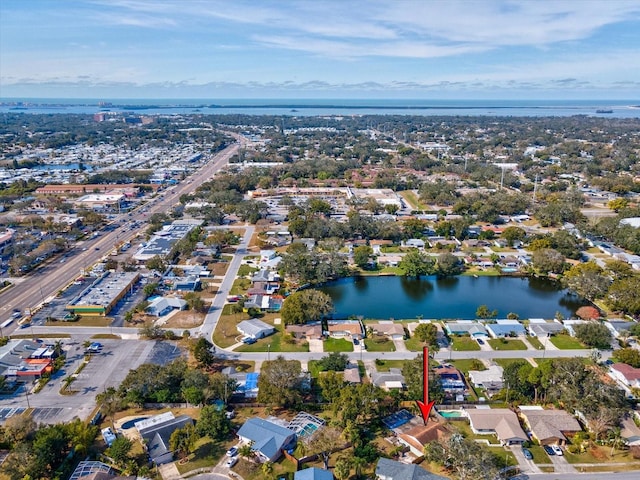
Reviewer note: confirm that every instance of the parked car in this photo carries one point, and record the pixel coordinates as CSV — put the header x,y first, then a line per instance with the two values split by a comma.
x,y
548,449
480,341
527,454
557,450
249,340
232,452
231,462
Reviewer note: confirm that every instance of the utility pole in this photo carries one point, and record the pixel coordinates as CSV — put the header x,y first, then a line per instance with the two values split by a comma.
x,y
535,188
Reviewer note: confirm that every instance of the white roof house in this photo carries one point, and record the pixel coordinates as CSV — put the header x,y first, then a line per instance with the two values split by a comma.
x,y
255,328
489,379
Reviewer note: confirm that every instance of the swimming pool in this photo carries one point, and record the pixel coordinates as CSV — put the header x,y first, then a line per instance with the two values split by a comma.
x,y
452,413
130,423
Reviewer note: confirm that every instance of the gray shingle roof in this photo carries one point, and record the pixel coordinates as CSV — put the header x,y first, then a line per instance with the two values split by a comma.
x,y
391,470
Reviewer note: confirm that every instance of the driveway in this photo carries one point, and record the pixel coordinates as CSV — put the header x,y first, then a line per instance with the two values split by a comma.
x,y
561,465
526,466
315,345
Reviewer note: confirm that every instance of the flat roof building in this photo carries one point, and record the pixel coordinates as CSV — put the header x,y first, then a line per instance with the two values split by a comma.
x,y
103,294
164,240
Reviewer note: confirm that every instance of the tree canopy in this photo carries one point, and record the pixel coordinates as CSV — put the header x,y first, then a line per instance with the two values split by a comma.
x,y
304,306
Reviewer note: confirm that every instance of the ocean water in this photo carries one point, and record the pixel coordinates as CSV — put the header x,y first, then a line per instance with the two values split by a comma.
x,y
336,107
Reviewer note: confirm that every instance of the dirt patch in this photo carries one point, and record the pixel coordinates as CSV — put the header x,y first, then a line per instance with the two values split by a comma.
x,y
218,269
185,319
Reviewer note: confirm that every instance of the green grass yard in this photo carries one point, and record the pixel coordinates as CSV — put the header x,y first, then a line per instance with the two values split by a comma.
x,y
566,342
507,344
379,344
464,365
465,344
337,345
535,343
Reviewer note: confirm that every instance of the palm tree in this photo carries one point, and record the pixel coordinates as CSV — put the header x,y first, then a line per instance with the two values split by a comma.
x,y
342,470
246,450
267,469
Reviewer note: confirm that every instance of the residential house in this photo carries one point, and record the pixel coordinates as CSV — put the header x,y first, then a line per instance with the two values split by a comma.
x,y
255,328
246,382
387,469
313,473
415,243
263,288
156,432
161,306
394,331
490,379
352,374
308,331
505,328
569,324
464,327
541,328
189,283
499,421
265,275
389,260
267,439
451,380
416,437
625,374
619,328
550,426
264,302
345,329
393,379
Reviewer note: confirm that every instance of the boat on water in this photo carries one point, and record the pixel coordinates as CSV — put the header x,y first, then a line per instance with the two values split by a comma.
x,y
604,110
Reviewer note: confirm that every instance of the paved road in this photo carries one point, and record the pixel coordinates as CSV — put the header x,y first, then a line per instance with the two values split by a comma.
x,y
633,475
50,278
213,315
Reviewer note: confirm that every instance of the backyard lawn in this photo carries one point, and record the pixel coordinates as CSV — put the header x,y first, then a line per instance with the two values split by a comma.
x,y
566,342
507,344
504,362
465,344
337,345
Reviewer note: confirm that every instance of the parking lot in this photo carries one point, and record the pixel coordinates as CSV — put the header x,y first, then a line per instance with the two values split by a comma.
x,y
107,368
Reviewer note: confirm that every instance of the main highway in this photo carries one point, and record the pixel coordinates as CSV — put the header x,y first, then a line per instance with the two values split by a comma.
x,y
46,281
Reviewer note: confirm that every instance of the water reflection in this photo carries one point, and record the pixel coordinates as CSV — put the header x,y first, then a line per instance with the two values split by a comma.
x,y
416,288
457,297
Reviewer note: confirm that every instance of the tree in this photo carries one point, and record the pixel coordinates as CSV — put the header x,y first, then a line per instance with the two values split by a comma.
x,y
428,333
203,352
587,279
588,313
513,234
110,403
548,260
448,265
416,264
342,469
468,460
361,255
18,428
279,382
306,306
324,442
183,440
618,204
193,395
623,295
119,450
330,384
593,334
334,361
214,423
412,370
628,355
484,312
156,263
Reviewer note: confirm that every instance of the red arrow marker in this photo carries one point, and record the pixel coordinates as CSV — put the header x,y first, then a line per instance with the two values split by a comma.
x,y
425,406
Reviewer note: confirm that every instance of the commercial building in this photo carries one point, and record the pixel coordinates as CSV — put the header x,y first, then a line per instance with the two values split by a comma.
x,y
103,294
164,240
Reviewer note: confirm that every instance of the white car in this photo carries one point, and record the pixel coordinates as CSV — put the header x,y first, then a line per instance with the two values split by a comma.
x,y
557,450
231,462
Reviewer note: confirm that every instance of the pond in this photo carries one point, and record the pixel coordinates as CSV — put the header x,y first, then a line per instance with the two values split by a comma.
x,y
453,297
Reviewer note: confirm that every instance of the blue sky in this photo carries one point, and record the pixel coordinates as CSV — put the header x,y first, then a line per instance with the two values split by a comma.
x,y
320,49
